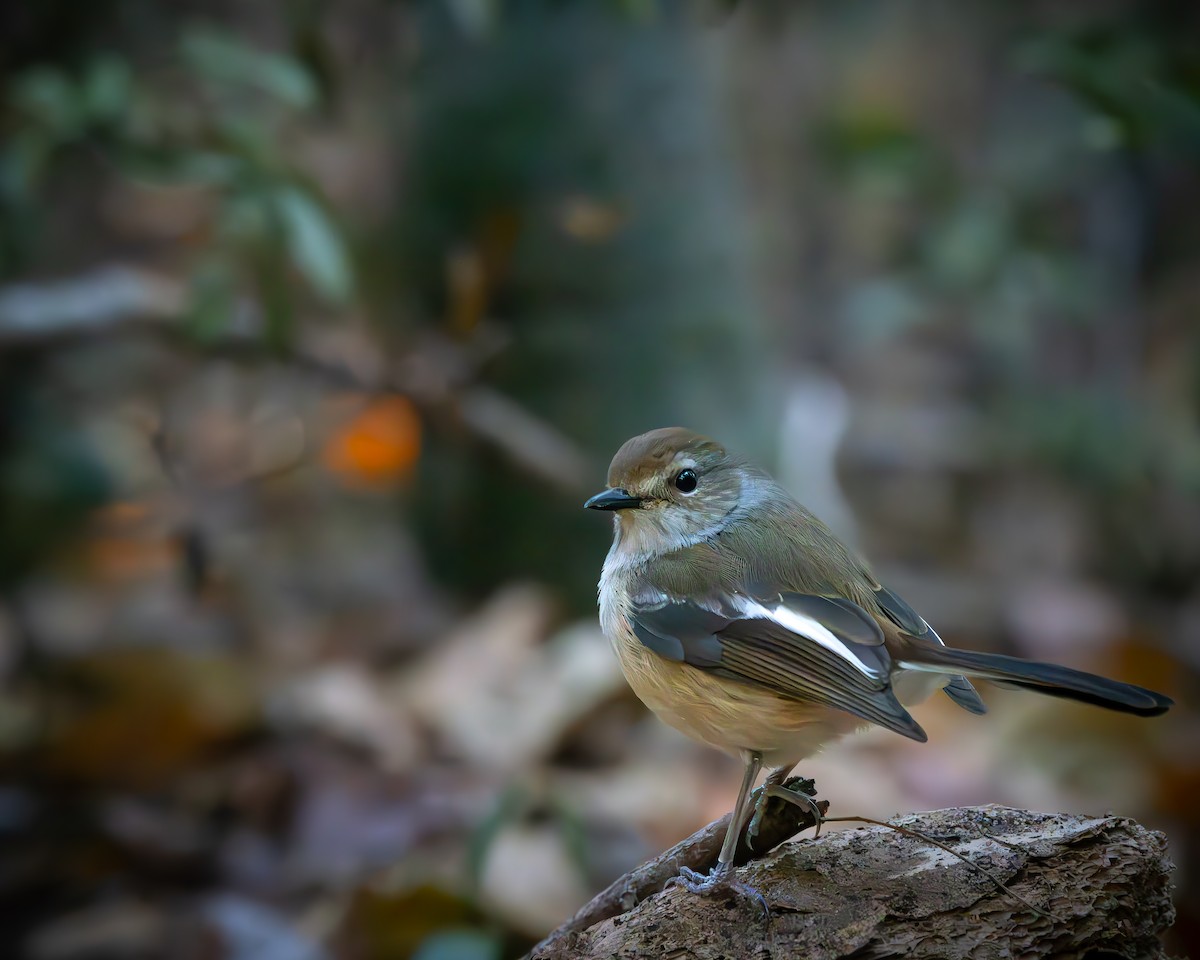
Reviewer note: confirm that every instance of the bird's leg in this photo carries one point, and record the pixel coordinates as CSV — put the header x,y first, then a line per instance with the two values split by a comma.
x,y
721,876
773,787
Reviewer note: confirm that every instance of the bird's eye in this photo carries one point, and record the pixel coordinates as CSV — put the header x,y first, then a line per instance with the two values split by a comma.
x,y
685,481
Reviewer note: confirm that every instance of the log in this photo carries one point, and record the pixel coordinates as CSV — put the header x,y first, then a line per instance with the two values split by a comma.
x,y
1036,885
781,821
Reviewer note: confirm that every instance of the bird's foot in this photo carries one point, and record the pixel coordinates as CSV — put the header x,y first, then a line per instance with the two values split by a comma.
x,y
719,881
793,791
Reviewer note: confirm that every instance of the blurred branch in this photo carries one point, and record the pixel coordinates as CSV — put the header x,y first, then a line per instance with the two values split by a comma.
x,y
876,893
88,305
526,438
118,300
781,821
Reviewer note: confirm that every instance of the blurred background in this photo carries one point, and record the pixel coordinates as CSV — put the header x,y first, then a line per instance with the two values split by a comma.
x,y
319,321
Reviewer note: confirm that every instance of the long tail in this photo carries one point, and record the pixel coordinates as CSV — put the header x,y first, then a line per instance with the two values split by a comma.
x,y
1047,678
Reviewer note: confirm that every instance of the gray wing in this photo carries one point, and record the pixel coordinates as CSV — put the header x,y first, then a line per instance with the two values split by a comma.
x,y
959,689
804,647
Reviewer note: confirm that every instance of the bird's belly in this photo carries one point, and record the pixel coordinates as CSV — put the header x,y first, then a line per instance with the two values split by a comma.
x,y
730,716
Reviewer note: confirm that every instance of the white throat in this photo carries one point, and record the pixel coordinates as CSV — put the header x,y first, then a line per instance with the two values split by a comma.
x,y
663,530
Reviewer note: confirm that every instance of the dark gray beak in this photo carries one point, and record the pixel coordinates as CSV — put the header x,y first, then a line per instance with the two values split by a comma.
x,y
615,499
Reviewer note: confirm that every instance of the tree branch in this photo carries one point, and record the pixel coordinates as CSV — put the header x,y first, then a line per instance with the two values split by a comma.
x,y
781,821
438,376
1100,884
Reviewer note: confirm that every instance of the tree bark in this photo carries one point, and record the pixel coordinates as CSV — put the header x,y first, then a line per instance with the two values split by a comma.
x,y
1075,886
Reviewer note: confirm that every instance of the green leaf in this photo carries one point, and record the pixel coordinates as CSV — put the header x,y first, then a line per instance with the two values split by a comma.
x,y
24,158
459,945
314,244
52,99
966,247
476,18
107,89
508,808
222,59
207,167
212,300
885,307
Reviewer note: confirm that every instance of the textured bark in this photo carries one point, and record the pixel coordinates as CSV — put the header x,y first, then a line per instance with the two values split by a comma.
x,y
781,820
1100,886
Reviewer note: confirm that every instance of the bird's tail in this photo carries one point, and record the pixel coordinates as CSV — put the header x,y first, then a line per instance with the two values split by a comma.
x,y
1047,678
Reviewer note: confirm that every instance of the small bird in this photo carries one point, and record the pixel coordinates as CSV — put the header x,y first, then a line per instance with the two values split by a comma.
x,y
742,621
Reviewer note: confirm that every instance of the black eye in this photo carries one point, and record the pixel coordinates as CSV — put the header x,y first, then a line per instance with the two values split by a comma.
x,y
685,481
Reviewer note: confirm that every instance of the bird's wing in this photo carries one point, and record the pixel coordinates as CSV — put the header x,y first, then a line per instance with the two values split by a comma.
x,y
959,689
802,646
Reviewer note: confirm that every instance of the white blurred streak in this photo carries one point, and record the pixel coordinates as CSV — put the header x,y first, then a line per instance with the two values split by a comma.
x,y
816,416
89,302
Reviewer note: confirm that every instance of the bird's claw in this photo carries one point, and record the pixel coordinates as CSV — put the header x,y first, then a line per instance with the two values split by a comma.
x,y
719,881
696,882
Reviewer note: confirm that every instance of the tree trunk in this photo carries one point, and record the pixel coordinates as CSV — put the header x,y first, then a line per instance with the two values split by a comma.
x,y
1073,886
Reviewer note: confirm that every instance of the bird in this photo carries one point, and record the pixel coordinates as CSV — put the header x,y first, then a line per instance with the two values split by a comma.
x,y
742,621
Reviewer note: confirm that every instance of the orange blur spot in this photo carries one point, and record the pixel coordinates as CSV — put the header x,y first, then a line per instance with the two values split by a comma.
x,y
378,446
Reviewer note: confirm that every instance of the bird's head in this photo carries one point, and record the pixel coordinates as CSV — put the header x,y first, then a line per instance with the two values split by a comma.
x,y
670,488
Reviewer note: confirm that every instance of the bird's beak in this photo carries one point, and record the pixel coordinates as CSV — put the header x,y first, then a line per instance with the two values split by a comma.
x,y
614,499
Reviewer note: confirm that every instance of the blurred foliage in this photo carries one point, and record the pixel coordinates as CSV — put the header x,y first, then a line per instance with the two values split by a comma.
x,y
50,477
318,322
215,117
598,222
1039,245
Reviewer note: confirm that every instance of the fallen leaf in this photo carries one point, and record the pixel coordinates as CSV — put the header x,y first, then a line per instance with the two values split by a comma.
x,y
138,717
346,702
499,695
